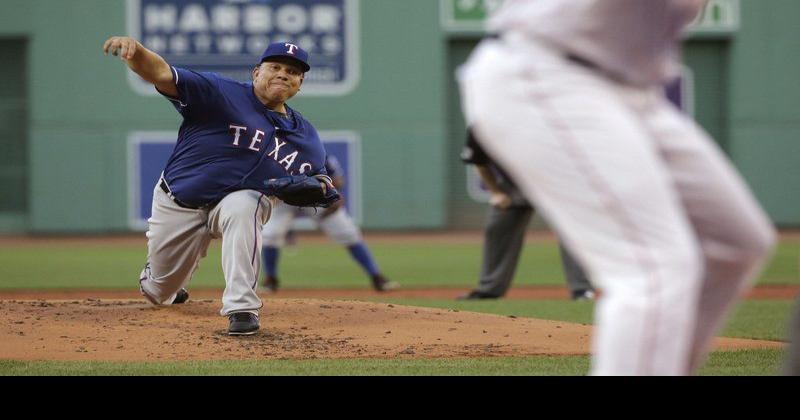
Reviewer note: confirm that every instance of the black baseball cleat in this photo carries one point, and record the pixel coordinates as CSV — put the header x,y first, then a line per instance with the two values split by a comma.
x,y
475,295
242,323
181,297
270,284
583,295
382,284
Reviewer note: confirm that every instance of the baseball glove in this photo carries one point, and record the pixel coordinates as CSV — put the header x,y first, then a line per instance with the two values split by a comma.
x,y
332,209
304,190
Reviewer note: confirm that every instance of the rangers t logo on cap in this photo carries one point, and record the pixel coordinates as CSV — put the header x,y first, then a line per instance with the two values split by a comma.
x,y
287,49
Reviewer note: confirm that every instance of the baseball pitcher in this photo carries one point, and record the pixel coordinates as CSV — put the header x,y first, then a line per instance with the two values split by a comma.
x,y
239,146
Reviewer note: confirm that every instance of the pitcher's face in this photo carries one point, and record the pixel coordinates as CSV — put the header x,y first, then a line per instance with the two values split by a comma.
x,y
277,80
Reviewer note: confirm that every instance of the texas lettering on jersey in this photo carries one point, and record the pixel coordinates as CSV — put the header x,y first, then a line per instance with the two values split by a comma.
x,y
230,141
285,158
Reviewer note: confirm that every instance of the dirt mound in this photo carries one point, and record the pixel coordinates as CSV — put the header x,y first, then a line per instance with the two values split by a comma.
x,y
522,292
131,330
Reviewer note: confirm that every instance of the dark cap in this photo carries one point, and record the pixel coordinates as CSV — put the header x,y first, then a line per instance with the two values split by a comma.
x,y
287,49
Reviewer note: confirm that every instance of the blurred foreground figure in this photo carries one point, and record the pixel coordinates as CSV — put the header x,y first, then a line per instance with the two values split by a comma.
x,y
567,99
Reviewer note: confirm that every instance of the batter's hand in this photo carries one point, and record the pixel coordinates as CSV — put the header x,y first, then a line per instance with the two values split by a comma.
x,y
500,200
123,46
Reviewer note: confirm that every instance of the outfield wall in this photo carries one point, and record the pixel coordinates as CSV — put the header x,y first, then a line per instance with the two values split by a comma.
x,y
80,110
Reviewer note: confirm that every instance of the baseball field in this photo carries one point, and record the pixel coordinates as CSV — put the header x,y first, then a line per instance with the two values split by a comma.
x,y
70,306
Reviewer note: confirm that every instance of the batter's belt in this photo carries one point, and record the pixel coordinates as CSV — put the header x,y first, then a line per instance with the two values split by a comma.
x,y
568,55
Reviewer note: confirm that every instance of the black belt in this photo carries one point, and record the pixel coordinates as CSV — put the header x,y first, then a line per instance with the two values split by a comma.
x,y
581,61
569,56
165,188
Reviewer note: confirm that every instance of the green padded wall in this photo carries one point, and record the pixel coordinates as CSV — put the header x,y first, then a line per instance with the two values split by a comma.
x,y
764,105
81,111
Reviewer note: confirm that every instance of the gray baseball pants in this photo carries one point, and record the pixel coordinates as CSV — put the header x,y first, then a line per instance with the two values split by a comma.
x,y
504,238
178,239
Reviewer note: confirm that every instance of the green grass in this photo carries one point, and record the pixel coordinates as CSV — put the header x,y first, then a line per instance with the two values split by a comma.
x,y
750,362
784,268
760,320
413,264
484,366
559,310
743,363
753,319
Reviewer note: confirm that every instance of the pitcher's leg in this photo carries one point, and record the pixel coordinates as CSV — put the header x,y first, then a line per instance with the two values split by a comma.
x,y
502,246
273,237
177,239
239,219
735,234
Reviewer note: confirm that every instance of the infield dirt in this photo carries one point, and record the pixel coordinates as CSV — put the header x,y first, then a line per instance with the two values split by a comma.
x,y
132,330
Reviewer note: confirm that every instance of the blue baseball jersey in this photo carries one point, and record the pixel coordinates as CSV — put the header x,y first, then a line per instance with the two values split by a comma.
x,y
230,141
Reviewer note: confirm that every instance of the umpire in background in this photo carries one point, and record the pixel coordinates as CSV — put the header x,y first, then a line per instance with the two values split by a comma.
x,y
509,216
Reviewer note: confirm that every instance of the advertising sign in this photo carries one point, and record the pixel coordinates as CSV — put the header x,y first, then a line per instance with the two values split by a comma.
x,y
719,16
228,37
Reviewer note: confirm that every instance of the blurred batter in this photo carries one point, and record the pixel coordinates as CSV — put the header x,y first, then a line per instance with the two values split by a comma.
x,y
568,100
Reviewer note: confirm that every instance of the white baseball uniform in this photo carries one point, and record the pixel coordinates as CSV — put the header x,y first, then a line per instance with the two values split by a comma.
x,y
568,100
339,226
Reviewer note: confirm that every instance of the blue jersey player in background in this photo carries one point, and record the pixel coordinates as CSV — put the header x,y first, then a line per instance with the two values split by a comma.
x,y
337,224
234,137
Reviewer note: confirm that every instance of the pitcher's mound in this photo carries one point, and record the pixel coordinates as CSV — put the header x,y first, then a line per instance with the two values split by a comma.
x,y
131,330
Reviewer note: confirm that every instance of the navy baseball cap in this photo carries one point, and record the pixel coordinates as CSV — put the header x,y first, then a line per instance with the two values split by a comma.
x,y
287,49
